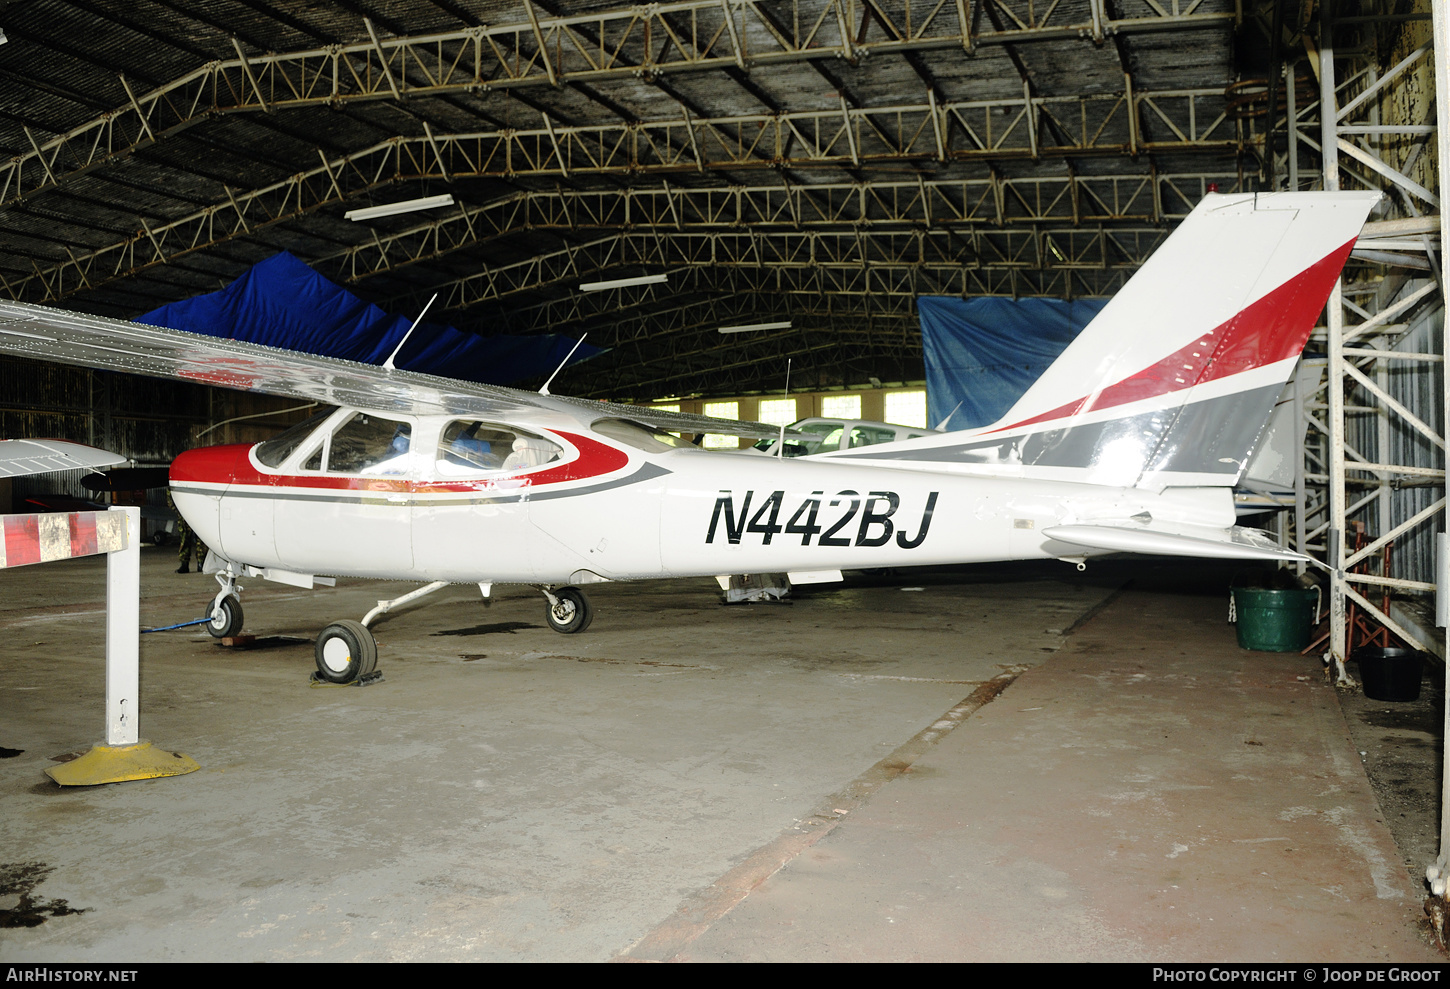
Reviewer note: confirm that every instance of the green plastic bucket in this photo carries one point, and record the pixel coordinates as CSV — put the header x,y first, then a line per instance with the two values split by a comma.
x,y
1274,620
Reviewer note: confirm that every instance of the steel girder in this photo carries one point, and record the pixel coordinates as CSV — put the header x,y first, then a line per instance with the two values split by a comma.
x,y
790,140
1376,453
972,261
615,312
702,360
928,204
623,44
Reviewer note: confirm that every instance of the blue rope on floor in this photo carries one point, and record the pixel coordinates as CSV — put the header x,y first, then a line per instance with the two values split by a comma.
x,y
167,628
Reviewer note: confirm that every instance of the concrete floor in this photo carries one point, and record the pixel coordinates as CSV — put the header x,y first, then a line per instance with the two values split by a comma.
x,y
992,763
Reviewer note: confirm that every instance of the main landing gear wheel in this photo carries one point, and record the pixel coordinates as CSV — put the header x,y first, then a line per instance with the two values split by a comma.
x,y
346,651
569,611
226,619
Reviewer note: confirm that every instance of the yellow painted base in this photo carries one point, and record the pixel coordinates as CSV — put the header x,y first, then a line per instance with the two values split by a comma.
x,y
119,763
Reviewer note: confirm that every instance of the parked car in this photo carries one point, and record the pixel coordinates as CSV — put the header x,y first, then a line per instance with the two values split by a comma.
x,y
828,435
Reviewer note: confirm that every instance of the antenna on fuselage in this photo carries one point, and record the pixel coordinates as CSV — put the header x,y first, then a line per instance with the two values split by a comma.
x,y
941,427
545,390
388,364
780,443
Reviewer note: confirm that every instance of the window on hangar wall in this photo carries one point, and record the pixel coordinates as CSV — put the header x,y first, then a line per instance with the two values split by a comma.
x,y
777,411
906,408
721,410
841,407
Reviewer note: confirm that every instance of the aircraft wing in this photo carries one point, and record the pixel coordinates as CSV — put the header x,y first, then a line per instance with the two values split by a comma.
x,y
116,345
1173,539
21,457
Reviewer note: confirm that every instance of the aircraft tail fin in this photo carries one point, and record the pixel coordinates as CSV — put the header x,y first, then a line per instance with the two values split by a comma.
x,y
1172,383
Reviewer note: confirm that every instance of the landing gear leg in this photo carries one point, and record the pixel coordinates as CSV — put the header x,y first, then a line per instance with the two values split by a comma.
x,y
569,610
226,607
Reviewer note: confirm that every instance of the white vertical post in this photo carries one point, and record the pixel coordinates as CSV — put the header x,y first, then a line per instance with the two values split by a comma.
x,y
123,635
1334,317
1441,28
1292,109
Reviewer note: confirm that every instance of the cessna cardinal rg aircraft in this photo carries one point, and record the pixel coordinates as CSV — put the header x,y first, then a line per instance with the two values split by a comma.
x,y
1132,440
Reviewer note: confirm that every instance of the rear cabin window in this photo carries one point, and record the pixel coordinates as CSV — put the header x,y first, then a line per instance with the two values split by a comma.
x,y
470,447
870,436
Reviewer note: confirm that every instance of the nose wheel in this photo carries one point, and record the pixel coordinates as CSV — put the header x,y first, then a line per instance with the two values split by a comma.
x,y
569,610
345,651
226,617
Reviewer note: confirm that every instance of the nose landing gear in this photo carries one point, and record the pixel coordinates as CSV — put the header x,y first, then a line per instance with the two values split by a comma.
x,y
226,607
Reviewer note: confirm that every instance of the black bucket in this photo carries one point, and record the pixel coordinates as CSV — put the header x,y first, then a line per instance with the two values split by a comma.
x,y
1389,674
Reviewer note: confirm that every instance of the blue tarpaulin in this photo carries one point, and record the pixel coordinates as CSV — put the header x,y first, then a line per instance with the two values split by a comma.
x,y
281,302
982,354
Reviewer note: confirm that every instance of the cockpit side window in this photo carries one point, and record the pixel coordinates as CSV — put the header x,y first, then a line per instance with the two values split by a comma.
x,y
275,451
469,447
369,444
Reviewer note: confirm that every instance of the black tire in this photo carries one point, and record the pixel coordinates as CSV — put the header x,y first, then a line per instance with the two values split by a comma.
x,y
345,651
572,614
161,537
226,620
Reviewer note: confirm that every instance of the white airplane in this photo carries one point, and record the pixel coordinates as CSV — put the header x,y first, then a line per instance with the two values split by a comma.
x,y
1132,440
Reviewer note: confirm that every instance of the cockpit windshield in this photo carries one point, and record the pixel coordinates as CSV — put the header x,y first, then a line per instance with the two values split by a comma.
x,y
276,450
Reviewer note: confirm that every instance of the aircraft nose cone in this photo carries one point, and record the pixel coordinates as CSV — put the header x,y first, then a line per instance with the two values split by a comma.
x,y
213,464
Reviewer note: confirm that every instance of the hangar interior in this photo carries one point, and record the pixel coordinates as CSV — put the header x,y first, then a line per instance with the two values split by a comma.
x,y
816,163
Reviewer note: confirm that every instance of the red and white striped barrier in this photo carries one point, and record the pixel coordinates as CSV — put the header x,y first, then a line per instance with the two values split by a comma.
x,y
28,539
59,536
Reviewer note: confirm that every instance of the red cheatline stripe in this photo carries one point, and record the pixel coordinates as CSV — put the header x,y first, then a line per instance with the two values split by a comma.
x,y
232,465
1272,329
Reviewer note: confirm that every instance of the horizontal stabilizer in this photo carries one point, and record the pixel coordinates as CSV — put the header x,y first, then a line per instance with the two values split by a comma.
x,y
1165,539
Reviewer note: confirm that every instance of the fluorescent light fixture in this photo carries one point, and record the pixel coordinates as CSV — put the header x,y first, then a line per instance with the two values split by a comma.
x,y
407,206
752,327
623,283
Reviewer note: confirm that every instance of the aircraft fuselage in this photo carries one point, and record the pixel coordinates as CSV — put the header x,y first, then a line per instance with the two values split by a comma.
x,y
616,510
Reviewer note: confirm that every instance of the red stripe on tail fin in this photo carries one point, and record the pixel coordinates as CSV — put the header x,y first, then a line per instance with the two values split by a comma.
x,y
1265,332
